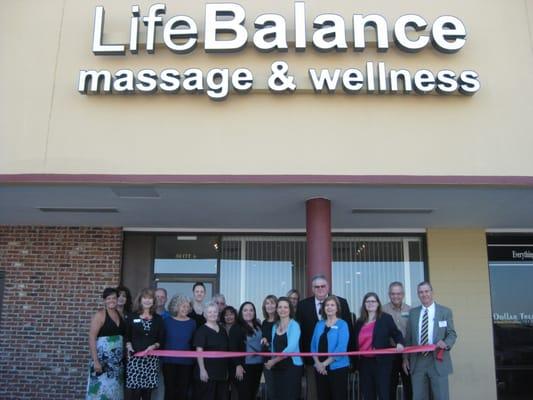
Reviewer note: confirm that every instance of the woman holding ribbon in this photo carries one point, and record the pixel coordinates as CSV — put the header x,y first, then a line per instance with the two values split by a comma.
x,y
286,371
331,335
211,376
245,336
144,332
375,330
106,372
179,332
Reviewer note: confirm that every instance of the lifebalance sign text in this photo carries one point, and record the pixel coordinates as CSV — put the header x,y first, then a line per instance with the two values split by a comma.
x,y
225,32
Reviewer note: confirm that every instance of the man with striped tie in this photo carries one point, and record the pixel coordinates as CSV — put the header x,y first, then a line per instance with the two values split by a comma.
x,y
429,323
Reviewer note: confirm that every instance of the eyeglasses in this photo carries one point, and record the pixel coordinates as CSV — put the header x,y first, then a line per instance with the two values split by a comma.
x,y
370,301
319,286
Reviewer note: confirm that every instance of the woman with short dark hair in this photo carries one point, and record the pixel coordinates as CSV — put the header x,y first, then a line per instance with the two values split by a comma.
x,y
197,304
331,335
106,373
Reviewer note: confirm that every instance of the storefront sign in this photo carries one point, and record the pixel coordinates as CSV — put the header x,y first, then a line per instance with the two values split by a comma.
x,y
224,31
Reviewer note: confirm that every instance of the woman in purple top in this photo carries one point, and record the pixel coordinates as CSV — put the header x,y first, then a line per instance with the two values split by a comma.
x,y
179,329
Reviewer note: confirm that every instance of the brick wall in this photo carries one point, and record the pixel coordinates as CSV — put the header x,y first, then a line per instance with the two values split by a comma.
x,y
54,277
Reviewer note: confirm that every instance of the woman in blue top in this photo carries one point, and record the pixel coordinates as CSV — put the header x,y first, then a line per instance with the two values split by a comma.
x,y
179,329
286,371
331,335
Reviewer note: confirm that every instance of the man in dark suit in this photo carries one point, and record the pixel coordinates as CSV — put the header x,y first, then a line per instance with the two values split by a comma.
x,y
307,315
429,323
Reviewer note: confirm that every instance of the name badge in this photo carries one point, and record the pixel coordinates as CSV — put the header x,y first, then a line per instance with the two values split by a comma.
x,y
334,327
137,321
405,315
443,324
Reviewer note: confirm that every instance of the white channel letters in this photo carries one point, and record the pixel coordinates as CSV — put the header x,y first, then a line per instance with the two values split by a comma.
x,y
224,30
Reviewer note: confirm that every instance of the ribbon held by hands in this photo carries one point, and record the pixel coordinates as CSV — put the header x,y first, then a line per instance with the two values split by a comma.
x,y
233,354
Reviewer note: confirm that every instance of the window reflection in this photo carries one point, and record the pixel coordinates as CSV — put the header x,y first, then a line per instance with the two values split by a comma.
x,y
512,315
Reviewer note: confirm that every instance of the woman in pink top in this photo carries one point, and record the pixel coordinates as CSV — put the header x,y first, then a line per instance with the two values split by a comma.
x,y
375,330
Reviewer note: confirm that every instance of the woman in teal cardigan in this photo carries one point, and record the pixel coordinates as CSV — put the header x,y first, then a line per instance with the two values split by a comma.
x,y
331,335
286,371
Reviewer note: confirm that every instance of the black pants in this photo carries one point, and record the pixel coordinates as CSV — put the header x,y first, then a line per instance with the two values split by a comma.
x,y
398,374
247,388
139,394
177,380
334,385
287,383
374,378
210,390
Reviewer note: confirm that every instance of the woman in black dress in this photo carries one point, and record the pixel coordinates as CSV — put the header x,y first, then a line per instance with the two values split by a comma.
x,y
145,331
211,376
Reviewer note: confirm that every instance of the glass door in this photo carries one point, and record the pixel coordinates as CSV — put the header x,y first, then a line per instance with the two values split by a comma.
x,y
182,260
511,275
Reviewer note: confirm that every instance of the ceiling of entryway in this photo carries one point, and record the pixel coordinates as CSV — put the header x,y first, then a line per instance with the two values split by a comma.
x,y
246,207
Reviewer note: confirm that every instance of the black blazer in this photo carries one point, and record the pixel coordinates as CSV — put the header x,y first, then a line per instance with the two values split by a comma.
x,y
237,342
140,339
384,330
307,318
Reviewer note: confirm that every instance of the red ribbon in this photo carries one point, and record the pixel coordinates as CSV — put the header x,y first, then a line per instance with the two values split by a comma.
x,y
232,354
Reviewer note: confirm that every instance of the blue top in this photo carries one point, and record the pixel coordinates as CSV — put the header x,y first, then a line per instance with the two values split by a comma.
x,y
165,314
293,340
179,336
253,344
338,337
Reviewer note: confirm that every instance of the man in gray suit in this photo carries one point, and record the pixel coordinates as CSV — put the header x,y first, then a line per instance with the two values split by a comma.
x,y
429,323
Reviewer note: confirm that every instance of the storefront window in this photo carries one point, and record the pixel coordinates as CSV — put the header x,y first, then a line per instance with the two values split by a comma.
x,y
250,267
511,274
370,264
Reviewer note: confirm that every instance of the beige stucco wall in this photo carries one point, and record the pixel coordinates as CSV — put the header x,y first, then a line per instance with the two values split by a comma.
x,y
46,126
458,269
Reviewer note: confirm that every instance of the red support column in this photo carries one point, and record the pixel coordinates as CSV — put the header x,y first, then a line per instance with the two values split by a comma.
x,y
318,228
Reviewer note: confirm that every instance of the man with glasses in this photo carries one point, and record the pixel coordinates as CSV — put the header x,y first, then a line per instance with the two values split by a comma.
x,y
307,315
400,314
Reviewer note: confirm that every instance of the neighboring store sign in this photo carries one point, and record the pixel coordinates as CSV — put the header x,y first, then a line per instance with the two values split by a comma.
x,y
507,317
224,31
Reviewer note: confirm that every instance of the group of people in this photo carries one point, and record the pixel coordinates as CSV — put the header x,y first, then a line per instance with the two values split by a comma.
x,y
321,323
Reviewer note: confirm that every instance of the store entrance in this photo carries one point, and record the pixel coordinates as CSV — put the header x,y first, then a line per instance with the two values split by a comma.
x,y
511,274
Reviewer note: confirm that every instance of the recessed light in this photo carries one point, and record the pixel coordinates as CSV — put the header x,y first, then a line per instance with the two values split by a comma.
x,y
392,210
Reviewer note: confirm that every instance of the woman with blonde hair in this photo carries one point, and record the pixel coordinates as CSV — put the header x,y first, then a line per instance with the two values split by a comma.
x,y
211,378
